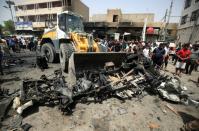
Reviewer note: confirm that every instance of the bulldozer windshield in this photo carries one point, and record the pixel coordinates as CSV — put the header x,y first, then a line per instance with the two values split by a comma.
x,y
70,23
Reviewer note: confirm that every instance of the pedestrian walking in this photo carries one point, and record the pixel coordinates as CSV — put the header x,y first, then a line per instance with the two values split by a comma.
x,y
158,56
192,62
146,52
23,43
166,56
12,43
182,56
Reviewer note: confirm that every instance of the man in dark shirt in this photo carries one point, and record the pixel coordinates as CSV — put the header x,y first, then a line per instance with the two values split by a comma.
x,y
117,47
158,56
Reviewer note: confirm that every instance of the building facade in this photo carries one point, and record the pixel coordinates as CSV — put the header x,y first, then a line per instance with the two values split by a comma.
x,y
33,14
116,15
105,25
188,30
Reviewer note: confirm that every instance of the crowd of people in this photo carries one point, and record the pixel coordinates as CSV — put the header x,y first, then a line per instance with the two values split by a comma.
x,y
185,57
15,44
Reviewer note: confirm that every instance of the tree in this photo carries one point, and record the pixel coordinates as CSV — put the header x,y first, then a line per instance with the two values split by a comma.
x,y
9,26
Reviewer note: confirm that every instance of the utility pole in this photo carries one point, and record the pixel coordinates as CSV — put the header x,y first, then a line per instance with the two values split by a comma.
x,y
163,29
144,30
167,23
11,11
10,3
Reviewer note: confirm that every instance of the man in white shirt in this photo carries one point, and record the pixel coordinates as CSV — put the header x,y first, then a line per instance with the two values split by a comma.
x,y
166,56
146,52
153,47
23,42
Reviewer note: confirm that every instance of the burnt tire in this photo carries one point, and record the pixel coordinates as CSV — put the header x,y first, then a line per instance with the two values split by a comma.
x,y
48,51
66,49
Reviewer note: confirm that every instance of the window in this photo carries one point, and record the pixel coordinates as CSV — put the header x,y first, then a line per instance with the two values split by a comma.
x,y
20,8
194,15
115,18
184,19
30,7
31,18
43,5
187,4
54,17
69,2
169,32
17,19
43,18
21,19
57,4
62,22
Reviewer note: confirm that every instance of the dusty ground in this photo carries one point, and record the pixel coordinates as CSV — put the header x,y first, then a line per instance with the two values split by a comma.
x,y
111,115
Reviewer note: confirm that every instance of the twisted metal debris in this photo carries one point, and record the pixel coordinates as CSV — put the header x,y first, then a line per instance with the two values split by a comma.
x,y
129,80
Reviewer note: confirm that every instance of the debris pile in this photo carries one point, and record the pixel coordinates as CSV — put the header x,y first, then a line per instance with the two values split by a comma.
x,y
172,90
131,80
41,62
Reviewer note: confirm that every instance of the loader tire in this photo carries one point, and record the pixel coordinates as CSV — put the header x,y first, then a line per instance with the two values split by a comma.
x,y
48,51
65,52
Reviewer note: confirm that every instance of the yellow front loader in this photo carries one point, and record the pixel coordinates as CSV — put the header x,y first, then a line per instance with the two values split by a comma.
x,y
68,39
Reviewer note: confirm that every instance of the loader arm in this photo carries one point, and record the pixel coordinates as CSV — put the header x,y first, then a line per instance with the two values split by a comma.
x,y
84,42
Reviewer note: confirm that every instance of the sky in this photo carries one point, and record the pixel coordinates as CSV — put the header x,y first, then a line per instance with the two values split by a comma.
x,y
158,7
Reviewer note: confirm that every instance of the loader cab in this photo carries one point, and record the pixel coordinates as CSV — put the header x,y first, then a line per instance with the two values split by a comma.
x,y
68,22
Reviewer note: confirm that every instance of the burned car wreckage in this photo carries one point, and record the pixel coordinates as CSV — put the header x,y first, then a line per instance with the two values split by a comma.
x,y
132,78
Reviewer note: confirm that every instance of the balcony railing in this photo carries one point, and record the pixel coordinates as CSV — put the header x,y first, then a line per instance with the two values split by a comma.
x,y
39,11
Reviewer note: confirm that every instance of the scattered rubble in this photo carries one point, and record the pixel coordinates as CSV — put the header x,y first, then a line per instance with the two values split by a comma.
x,y
41,62
122,110
153,125
191,126
172,109
131,80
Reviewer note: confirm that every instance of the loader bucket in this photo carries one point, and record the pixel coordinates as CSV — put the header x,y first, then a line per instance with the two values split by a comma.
x,y
91,61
